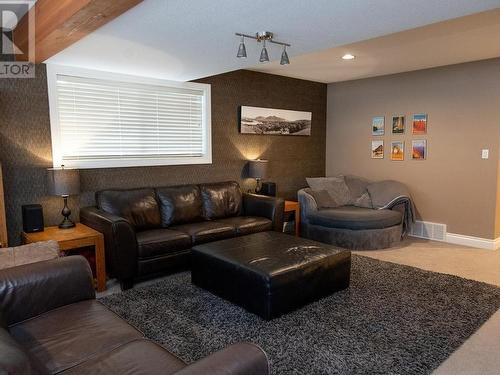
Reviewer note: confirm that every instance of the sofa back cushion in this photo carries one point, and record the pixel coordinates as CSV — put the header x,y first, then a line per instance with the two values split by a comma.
x,y
335,186
221,200
180,204
138,206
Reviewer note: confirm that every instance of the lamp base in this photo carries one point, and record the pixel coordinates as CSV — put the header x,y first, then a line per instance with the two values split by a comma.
x,y
66,212
67,223
258,186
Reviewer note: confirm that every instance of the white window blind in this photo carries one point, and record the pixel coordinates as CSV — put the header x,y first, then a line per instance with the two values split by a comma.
x,y
108,123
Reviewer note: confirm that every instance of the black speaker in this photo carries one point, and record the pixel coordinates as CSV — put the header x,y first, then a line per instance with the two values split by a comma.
x,y
32,218
268,188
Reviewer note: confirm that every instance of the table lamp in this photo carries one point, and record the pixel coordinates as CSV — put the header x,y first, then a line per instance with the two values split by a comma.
x,y
257,169
64,182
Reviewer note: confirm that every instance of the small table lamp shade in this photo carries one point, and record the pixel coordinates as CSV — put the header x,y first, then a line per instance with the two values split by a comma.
x,y
257,169
63,182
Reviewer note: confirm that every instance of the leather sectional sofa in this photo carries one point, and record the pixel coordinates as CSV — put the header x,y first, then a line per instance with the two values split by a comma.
x,y
151,230
50,323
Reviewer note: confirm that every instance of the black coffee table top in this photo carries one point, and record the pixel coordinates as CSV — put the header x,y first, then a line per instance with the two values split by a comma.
x,y
270,253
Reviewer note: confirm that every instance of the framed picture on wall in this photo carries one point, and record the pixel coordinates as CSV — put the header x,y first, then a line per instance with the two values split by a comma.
x,y
270,121
419,149
377,149
398,124
378,125
419,124
398,150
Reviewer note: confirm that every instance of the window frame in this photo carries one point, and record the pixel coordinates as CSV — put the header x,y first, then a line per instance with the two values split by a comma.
x,y
55,127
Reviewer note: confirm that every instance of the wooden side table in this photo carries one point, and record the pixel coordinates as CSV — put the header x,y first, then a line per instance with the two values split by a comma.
x,y
293,206
74,238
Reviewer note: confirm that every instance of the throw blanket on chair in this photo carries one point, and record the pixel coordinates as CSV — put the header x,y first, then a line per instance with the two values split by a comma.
x,y
391,194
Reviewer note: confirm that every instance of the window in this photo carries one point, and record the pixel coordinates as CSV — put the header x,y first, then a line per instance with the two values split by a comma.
x,y
101,120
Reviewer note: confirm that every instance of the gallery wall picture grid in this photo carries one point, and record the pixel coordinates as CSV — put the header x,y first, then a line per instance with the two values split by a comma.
x,y
377,149
378,125
398,124
419,125
419,149
398,150
270,121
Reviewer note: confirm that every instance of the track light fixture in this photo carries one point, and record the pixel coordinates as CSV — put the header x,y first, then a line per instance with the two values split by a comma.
x,y
264,36
264,57
284,57
242,50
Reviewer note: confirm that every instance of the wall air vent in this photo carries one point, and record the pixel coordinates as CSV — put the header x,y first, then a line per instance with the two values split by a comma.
x,y
428,230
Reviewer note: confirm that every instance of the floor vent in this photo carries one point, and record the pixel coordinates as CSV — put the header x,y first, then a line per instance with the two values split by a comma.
x,y
428,230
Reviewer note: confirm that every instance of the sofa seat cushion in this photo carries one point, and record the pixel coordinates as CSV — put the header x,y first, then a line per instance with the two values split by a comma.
x,y
355,218
157,242
136,357
248,224
67,336
207,231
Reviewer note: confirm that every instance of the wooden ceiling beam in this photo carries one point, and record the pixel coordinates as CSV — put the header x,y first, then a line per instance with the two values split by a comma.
x,y
60,23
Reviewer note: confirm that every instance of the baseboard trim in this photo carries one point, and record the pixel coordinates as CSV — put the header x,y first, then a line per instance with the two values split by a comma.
x,y
478,242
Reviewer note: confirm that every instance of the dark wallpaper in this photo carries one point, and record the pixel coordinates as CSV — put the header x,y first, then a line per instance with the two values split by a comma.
x,y
25,145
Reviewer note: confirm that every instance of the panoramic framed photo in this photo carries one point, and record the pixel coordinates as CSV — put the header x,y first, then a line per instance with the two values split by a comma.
x,y
419,124
398,124
377,149
419,149
259,120
397,150
378,125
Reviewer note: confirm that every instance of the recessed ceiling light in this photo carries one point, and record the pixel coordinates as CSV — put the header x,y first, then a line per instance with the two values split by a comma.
x,y
348,56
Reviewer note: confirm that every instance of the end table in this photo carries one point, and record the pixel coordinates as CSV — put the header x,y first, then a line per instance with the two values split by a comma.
x,y
293,206
74,238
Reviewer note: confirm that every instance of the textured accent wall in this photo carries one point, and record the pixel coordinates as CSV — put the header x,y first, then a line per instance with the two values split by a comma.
x,y
25,145
454,185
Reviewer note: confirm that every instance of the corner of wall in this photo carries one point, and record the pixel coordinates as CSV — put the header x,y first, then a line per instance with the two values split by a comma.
x,y
497,208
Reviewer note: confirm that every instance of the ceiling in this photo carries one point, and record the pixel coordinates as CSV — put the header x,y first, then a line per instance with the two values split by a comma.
x,y
184,40
464,39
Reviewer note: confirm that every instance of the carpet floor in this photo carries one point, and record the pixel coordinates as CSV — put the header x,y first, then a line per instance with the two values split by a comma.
x,y
393,319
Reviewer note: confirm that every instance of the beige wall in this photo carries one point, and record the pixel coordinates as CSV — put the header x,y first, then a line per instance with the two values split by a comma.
x,y
454,185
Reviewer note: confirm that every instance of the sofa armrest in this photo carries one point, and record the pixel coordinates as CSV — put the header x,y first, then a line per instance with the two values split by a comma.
x,y
119,239
269,207
307,205
32,289
237,359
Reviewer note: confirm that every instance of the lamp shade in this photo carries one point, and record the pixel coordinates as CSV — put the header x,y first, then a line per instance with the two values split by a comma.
x,y
63,181
257,169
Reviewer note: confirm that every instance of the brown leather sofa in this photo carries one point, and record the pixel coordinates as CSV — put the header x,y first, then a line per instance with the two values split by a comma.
x,y
50,323
151,230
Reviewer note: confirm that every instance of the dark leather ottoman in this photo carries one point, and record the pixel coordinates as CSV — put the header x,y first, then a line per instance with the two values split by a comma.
x,y
270,273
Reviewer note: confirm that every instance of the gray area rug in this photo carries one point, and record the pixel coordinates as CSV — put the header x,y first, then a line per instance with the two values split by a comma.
x,y
393,319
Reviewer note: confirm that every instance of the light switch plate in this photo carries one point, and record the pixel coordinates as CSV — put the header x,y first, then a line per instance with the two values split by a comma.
x,y
485,154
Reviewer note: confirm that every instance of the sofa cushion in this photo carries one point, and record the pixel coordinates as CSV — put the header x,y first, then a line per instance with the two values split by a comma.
x,y
356,218
180,204
67,336
156,242
137,357
335,186
30,253
248,224
206,231
323,199
138,206
221,200
357,186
